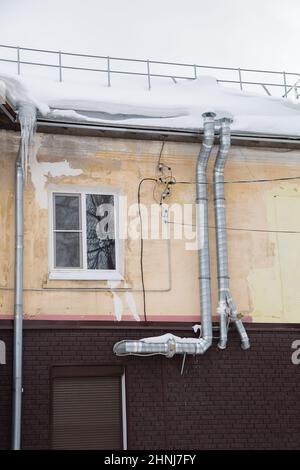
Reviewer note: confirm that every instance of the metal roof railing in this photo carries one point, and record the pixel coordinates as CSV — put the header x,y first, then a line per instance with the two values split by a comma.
x,y
278,83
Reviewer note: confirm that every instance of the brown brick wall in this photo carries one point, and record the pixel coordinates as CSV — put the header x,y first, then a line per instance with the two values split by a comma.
x,y
230,399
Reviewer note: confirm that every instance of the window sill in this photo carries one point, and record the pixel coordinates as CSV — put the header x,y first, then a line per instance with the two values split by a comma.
x,y
73,275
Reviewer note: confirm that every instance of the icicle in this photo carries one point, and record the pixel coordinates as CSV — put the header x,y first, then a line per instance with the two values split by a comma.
x,y
27,119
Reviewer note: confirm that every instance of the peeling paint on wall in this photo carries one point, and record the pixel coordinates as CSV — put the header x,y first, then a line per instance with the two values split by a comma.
x,y
118,304
131,304
263,265
40,171
274,287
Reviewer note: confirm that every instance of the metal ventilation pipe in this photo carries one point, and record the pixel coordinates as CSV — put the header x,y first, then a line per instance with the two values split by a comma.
x,y
226,307
27,118
169,345
202,205
2,352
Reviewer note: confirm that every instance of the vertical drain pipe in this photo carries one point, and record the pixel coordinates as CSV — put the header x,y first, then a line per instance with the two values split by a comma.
x,y
27,119
18,318
202,210
226,307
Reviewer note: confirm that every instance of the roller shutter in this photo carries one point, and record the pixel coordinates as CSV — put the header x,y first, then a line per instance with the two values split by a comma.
x,y
86,411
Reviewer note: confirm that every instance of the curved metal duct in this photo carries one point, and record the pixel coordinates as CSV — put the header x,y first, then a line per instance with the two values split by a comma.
x,y
226,307
169,345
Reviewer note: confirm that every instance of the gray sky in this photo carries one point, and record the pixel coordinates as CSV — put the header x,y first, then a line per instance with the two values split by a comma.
x,y
245,33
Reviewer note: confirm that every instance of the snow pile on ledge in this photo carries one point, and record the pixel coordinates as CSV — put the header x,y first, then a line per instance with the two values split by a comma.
x,y
17,91
169,337
172,105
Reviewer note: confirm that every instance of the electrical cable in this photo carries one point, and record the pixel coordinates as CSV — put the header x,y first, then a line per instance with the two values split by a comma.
x,y
161,151
264,180
238,229
142,245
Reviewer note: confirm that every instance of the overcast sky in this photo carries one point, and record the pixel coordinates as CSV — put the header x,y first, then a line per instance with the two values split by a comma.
x,y
245,33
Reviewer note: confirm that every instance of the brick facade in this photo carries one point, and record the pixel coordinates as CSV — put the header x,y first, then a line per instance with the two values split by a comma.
x,y
229,399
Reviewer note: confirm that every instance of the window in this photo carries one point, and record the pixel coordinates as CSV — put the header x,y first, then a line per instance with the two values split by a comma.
x,y
83,235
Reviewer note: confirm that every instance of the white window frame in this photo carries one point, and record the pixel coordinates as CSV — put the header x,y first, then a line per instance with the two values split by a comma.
x,y
84,273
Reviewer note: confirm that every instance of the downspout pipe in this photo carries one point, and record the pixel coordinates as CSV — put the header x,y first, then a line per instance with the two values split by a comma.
x,y
18,310
27,113
169,345
226,308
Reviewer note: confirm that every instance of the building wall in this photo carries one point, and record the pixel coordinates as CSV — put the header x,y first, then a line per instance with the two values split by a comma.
x,y
264,253
229,399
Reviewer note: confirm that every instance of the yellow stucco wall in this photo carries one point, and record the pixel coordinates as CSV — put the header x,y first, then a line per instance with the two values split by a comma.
x,y
264,260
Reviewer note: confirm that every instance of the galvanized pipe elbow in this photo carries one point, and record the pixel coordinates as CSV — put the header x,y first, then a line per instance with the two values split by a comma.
x,y
225,143
208,141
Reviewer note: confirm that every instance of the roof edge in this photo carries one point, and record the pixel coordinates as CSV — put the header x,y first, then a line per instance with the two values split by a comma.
x,y
126,131
167,134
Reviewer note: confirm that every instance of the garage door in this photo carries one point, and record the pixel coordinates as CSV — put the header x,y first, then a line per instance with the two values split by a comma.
x,y
87,408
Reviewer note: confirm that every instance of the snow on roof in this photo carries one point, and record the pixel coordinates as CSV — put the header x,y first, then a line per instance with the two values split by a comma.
x,y
167,104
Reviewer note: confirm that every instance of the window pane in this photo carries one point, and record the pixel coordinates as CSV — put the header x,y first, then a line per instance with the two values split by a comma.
x,y
66,212
100,231
67,250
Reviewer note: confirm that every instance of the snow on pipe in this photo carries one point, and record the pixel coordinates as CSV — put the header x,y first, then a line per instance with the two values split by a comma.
x,y
168,344
27,118
226,307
